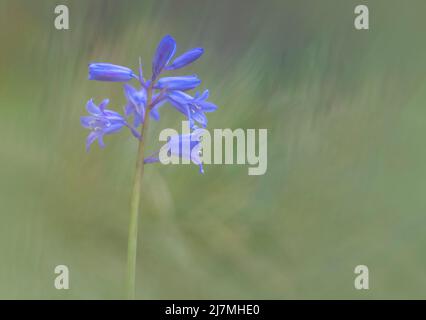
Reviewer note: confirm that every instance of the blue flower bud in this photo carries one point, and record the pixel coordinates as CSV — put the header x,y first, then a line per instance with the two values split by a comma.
x,y
109,72
185,59
165,51
182,83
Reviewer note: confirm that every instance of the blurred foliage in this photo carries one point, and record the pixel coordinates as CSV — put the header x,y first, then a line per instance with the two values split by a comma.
x,y
346,117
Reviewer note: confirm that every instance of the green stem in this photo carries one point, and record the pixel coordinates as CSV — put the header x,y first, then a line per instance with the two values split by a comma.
x,y
134,207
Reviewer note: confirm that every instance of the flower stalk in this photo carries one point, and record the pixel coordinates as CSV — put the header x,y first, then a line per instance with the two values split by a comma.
x,y
134,207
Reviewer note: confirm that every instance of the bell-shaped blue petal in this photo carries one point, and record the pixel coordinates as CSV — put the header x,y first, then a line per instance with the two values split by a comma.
x,y
90,139
113,127
136,97
136,101
101,121
179,96
158,101
203,96
165,51
186,146
186,58
200,118
92,108
207,106
110,72
177,101
192,107
86,121
103,105
182,83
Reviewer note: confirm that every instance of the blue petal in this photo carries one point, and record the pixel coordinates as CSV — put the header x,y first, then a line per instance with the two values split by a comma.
x,y
103,104
138,119
186,146
109,72
92,108
113,128
86,121
135,133
128,109
195,154
165,50
158,100
155,114
101,141
185,59
129,92
180,105
151,160
113,116
90,139
141,79
134,96
207,106
200,118
201,168
180,96
180,145
182,83
204,96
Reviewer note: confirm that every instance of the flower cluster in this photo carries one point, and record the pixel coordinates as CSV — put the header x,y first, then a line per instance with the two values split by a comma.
x,y
146,99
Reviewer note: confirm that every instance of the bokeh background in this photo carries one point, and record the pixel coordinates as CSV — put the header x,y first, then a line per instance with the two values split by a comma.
x,y
346,181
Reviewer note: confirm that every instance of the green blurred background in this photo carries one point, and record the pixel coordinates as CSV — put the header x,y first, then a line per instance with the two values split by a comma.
x,y
346,180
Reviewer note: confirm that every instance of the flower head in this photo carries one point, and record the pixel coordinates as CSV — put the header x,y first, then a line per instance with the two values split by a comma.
x,y
101,121
152,93
110,72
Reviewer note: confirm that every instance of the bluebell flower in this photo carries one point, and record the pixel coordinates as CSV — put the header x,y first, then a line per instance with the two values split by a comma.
x,y
101,121
136,103
110,72
182,83
186,146
165,51
185,59
192,107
